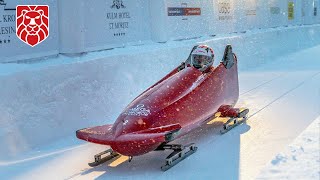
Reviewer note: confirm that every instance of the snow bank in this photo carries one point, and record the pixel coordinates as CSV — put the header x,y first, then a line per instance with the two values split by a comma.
x,y
46,101
301,160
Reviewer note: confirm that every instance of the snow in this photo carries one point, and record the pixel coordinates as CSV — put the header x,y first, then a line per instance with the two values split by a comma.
x,y
43,103
300,160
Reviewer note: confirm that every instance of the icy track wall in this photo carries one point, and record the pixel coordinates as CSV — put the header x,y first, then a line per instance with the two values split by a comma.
x,y
80,26
45,102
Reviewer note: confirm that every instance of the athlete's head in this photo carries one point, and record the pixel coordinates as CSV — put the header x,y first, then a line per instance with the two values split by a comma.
x,y
202,57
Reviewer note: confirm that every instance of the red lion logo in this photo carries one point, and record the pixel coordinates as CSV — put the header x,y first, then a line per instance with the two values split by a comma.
x,y
32,23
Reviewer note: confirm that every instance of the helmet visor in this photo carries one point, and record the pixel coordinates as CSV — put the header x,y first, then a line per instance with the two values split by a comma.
x,y
200,60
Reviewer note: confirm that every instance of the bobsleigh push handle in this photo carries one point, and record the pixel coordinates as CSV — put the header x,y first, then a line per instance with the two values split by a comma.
x,y
228,57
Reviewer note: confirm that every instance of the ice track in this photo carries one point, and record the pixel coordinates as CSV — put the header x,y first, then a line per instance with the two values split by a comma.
x,y
283,97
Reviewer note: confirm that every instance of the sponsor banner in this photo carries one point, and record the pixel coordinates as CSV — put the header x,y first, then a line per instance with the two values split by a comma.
x,y
106,24
225,9
294,12
181,11
290,10
172,11
32,23
192,11
250,14
7,26
250,7
228,19
19,39
187,18
226,16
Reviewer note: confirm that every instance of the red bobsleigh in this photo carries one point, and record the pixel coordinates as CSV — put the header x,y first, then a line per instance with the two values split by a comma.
x,y
180,102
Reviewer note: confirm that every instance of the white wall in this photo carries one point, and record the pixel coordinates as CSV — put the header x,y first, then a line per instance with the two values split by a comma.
x,y
80,26
277,13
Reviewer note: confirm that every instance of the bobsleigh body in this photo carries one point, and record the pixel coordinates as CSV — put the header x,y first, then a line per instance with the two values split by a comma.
x,y
177,104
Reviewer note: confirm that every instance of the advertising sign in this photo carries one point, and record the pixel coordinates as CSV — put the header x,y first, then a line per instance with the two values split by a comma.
x,y
106,24
181,11
186,19
28,37
250,13
250,7
290,10
225,10
294,12
224,16
32,23
7,25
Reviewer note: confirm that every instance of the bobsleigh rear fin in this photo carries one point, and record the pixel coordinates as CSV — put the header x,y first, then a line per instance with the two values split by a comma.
x,y
98,134
228,59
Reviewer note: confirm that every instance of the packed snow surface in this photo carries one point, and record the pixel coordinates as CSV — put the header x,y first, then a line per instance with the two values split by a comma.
x,y
300,160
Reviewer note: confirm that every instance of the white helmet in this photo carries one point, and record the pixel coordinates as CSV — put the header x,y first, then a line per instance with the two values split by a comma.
x,y
202,57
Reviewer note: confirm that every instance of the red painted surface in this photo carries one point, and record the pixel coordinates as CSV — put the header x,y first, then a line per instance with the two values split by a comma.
x,y
180,102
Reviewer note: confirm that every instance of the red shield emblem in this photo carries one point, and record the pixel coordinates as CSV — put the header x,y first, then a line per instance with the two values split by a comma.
x,y
32,23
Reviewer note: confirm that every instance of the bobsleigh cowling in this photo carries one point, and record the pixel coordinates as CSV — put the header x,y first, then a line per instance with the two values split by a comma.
x,y
180,102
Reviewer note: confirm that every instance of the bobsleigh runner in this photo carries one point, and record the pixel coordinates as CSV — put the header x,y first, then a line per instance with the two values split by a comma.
x,y
180,102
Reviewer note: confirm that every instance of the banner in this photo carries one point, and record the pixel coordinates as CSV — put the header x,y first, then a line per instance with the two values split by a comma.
x,y
224,16
103,24
290,10
225,10
187,18
183,11
250,7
